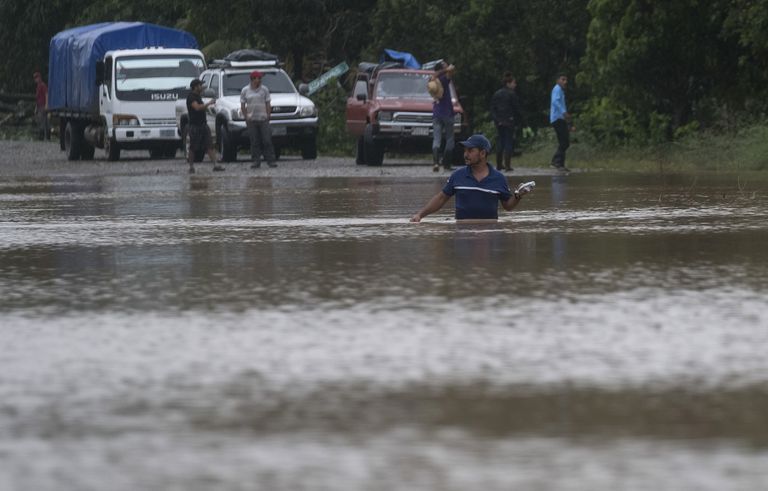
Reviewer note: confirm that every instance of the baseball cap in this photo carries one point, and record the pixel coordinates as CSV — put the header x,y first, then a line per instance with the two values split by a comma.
x,y
255,74
195,82
477,141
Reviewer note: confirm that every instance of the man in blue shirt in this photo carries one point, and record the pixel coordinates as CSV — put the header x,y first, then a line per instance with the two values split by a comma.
x,y
560,120
478,187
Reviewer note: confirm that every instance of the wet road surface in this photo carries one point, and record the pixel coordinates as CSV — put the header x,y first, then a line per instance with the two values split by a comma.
x,y
290,330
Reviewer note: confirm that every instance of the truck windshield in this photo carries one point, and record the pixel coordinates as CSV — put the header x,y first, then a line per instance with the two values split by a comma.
x,y
402,86
277,82
156,77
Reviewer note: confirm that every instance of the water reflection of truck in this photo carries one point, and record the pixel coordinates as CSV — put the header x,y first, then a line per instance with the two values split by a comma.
x,y
114,86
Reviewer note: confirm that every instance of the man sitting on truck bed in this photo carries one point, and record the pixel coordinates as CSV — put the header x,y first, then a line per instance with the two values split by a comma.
x,y
199,133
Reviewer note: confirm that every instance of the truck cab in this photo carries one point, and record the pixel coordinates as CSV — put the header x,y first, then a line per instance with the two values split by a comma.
x,y
137,95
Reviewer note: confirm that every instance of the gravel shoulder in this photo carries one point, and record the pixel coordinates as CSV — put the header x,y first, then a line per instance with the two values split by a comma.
x,y
44,159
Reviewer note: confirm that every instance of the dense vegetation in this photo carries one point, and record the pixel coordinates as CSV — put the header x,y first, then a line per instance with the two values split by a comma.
x,y
642,72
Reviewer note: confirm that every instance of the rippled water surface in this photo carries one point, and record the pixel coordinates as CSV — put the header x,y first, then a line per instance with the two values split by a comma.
x,y
168,332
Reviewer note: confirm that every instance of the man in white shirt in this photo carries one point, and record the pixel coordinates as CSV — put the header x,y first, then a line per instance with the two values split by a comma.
x,y
256,108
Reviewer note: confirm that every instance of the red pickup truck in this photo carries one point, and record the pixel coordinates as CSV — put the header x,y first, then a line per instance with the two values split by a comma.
x,y
390,109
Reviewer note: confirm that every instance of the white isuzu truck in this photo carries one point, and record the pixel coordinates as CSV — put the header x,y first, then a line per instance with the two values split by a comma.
x,y
114,86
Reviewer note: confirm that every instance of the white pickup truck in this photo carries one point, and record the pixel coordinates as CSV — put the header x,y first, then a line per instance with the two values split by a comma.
x,y
294,116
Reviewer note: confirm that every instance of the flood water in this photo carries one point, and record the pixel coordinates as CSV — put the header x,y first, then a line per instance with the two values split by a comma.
x,y
286,333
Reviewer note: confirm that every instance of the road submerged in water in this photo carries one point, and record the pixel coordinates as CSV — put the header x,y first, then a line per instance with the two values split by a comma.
x,y
288,329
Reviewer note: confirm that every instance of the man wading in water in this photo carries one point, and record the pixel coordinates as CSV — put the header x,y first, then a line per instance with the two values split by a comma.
x,y
478,186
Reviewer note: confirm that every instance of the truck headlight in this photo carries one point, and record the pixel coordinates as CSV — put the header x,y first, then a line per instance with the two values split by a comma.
x,y
237,115
307,111
125,120
385,116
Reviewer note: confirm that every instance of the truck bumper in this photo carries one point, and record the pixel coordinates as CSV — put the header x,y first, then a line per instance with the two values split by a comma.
x,y
409,136
150,135
284,133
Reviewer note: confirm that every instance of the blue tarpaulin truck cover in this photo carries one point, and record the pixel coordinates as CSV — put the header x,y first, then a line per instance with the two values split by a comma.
x,y
73,55
407,59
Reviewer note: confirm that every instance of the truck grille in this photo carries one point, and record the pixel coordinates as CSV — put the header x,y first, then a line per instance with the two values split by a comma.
x,y
283,109
425,118
160,121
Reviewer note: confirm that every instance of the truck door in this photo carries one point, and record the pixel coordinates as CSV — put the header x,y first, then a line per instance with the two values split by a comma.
x,y
105,92
357,107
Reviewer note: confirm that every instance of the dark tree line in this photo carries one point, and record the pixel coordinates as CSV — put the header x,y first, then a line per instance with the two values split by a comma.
x,y
641,70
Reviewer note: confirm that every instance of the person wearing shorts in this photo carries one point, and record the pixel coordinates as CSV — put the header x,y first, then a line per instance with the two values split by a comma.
x,y
199,135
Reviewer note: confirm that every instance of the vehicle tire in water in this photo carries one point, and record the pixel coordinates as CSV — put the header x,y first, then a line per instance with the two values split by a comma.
x,y
227,147
169,150
373,151
73,140
360,152
111,149
87,151
309,148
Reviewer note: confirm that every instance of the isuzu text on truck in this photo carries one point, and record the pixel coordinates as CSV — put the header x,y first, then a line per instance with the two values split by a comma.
x,y
114,86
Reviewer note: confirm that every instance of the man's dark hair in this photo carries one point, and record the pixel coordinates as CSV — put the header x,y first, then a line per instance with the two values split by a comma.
x,y
194,83
508,77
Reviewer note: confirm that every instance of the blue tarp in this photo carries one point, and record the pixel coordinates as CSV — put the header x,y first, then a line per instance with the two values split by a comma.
x,y
73,55
407,59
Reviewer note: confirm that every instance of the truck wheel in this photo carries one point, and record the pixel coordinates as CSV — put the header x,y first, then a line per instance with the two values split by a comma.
x,y
87,151
227,147
169,151
111,149
360,152
309,148
373,151
73,140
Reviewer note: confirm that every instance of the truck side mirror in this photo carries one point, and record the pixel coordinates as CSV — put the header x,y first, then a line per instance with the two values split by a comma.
x,y
361,90
99,72
209,93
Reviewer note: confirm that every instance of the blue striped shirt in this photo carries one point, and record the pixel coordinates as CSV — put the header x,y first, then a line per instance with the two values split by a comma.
x,y
474,199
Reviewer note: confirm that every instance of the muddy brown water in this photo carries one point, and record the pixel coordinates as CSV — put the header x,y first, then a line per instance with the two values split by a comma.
x,y
293,331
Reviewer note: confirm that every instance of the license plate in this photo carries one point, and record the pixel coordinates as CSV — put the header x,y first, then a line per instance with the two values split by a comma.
x,y
279,130
420,131
168,133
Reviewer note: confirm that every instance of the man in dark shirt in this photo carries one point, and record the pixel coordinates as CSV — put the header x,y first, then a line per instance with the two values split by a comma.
x,y
479,188
199,135
507,117
442,117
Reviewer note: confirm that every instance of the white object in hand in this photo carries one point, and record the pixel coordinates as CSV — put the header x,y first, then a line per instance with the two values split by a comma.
x,y
525,188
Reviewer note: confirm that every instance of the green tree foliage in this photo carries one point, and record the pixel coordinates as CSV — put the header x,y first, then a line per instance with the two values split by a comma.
x,y
323,31
653,67
26,29
170,13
